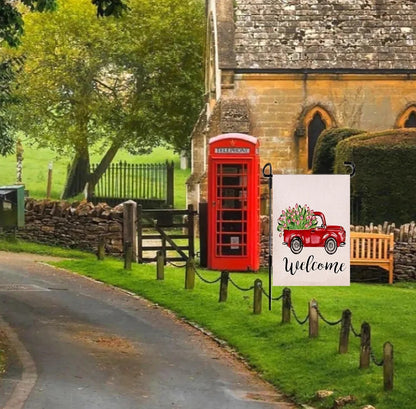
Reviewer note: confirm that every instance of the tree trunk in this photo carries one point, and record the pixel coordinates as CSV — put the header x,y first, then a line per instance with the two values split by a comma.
x,y
78,175
101,168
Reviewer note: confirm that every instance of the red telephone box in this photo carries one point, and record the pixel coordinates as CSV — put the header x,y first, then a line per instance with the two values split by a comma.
x,y
233,203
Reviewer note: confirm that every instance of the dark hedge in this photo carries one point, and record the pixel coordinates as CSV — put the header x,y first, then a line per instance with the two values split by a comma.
x,y
324,154
384,187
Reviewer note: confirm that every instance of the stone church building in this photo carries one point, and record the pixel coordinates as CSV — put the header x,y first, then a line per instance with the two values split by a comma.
x,y
285,70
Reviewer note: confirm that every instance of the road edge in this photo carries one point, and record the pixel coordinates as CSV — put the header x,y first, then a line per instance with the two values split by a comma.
x,y
29,377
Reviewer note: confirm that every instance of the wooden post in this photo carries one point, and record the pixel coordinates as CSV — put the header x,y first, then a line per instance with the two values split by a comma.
x,y
365,345
169,184
49,185
101,248
129,225
190,274
164,252
160,265
191,231
388,366
128,255
345,332
223,286
313,319
258,292
139,235
286,305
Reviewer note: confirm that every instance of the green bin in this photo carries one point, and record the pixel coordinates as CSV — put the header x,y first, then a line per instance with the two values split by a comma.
x,y
12,206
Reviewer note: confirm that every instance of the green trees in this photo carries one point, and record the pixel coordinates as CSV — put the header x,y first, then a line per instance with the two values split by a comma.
x,y
109,83
6,77
11,21
11,30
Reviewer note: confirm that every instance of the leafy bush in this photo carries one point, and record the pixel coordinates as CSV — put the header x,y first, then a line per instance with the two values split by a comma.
x,y
384,185
324,155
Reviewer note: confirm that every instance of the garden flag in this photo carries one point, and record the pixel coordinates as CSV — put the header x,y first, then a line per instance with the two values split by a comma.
x,y
311,223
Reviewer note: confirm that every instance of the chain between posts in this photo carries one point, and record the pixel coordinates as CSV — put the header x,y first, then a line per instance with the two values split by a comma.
x,y
196,272
176,265
296,317
373,358
205,280
238,287
273,299
357,334
325,320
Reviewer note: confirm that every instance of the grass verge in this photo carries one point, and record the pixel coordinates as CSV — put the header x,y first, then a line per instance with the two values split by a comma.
x,y
36,161
284,354
21,246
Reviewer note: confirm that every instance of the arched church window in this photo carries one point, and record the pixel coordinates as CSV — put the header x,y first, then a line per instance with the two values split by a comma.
x,y
408,118
315,128
316,121
411,120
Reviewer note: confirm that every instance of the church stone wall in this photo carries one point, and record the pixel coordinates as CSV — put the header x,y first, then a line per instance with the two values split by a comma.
x,y
277,103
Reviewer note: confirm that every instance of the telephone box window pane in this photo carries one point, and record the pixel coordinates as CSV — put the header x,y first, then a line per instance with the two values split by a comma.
x,y
231,215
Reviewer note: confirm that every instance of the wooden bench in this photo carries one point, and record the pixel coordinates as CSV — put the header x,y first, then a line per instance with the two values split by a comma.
x,y
373,249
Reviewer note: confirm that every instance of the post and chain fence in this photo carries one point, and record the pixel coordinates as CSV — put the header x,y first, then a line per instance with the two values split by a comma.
x,y
273,298
374,359
175,265
205,280
332,323
295,316
238,287
356,334
367,354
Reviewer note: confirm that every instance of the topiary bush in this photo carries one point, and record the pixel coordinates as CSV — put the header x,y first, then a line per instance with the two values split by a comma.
x,y
324,154
383,187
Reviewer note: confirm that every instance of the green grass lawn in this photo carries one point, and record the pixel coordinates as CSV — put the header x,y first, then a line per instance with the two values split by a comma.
x,y
36,161
284,354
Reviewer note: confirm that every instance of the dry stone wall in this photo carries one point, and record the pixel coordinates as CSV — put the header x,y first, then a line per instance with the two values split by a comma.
x,y
79,225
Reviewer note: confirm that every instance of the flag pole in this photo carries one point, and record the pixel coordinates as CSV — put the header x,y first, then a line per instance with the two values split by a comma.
x,y
268,173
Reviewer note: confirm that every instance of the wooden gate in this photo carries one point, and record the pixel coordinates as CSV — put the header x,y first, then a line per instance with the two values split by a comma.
x,y
168,230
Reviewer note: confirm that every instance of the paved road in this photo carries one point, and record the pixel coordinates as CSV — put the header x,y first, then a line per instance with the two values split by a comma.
x,y
80,344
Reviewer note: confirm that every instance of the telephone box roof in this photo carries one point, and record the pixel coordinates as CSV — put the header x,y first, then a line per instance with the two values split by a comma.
x,y
240,136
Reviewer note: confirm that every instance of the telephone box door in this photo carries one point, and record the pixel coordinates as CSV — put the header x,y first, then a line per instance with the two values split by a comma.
x,y
233,203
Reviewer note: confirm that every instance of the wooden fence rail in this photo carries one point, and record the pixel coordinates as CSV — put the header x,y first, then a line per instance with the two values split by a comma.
x,y
166,230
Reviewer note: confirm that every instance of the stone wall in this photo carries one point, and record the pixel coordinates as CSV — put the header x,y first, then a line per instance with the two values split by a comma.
x,y
405,261
77,225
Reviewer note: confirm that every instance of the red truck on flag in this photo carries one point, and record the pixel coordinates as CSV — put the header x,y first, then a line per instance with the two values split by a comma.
x,y
314,233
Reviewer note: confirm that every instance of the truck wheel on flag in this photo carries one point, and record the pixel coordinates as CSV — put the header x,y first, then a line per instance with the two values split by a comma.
x,y
296,245
331,245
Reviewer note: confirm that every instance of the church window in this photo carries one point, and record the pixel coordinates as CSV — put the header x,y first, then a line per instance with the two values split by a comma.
x,y
316,121
316,126
411,120
408,118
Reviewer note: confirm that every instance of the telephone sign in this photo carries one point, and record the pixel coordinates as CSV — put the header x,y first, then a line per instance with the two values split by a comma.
x,y
233,203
